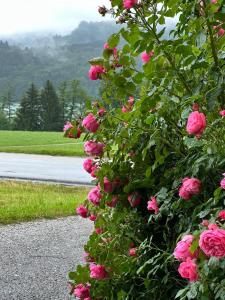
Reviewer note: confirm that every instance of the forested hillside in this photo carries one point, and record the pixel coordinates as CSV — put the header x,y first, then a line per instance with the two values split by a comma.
x,y
56,58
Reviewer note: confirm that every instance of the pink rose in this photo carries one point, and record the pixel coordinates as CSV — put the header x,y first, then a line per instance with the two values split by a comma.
x,y
222,215
195,106
95,72
212,242
153,205
129,3
133,252
145,57
94,148
190,186
188,270
94,170
182,250
82,291
221,32
98,272
95,196
99,230
196,123
90,123
222,113
134,199
212,226
222,182
214,1
88,164
113,202
108,186
67,126
92,218
101,112
205,223
82,211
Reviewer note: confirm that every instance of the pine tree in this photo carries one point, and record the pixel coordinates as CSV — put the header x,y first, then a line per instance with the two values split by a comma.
x,y
77,97
28,114
51,110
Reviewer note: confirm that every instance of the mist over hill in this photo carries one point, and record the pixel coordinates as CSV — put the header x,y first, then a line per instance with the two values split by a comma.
x,y
38,57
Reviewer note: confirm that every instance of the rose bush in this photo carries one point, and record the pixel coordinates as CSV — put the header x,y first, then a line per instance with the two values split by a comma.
x,y
158,140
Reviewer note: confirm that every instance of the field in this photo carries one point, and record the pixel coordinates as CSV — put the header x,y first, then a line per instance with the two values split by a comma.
x,y
49,143
20,201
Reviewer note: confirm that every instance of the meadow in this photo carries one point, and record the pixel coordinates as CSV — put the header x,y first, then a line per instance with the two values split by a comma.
x,y
25,201
48,143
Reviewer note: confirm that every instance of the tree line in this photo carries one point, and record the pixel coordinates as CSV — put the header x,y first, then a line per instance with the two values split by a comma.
x,y
45,109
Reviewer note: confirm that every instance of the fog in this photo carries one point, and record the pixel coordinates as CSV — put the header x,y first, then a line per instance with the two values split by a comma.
x,y
61,16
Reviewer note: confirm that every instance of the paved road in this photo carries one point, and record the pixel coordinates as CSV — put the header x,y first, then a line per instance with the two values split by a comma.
x,y
36,257
43,168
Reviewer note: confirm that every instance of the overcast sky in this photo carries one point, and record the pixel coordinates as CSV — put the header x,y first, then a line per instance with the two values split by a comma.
x,y
19,16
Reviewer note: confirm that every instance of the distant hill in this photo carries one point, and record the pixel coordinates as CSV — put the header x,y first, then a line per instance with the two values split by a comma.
x,y
38,58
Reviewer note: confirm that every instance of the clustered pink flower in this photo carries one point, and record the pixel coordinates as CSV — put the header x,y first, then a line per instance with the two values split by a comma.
x,y
99,230
222,113
94,148
93,218
196,123
205,223
94,196
220,32
212,226
95,72
212,242
133,252
101,112
221,215
222,182
67,126
82,291
182,250
145,57
88,164
108,186
134,199
190,187
153,205
129,3
188,270
90,123
82,211
98,272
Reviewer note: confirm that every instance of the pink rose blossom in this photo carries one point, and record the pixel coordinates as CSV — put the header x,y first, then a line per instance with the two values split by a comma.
x,y
190,186
212,226
221,215
188,270
134,199
145,57
205,223
99,230
222,113
214,1
153,205
98,272
67,126
108,186
182,250
129,3
90,123
95,196
196,123
82,291
95,72
221,32
222,183
113,202
101,112
212,242
82,211
92,218
131,101
133,252
88,164
195,106
94,170
94,148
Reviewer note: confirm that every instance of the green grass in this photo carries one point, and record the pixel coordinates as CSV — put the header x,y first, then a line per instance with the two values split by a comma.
x,y
21,201
49,143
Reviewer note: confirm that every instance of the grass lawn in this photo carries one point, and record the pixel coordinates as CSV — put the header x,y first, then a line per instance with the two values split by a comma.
x,y
49,143
22,201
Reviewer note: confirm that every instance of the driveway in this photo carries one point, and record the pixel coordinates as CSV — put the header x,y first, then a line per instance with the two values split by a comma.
x,y
36,257
66,170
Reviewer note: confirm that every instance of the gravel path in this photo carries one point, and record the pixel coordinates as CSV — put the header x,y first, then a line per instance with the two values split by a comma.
x,y
35,258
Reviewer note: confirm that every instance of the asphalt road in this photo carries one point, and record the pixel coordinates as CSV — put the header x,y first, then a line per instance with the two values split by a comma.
x,y
66,170
36,257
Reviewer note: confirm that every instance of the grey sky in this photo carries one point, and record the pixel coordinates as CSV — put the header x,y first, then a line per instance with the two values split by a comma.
x,y
19,16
